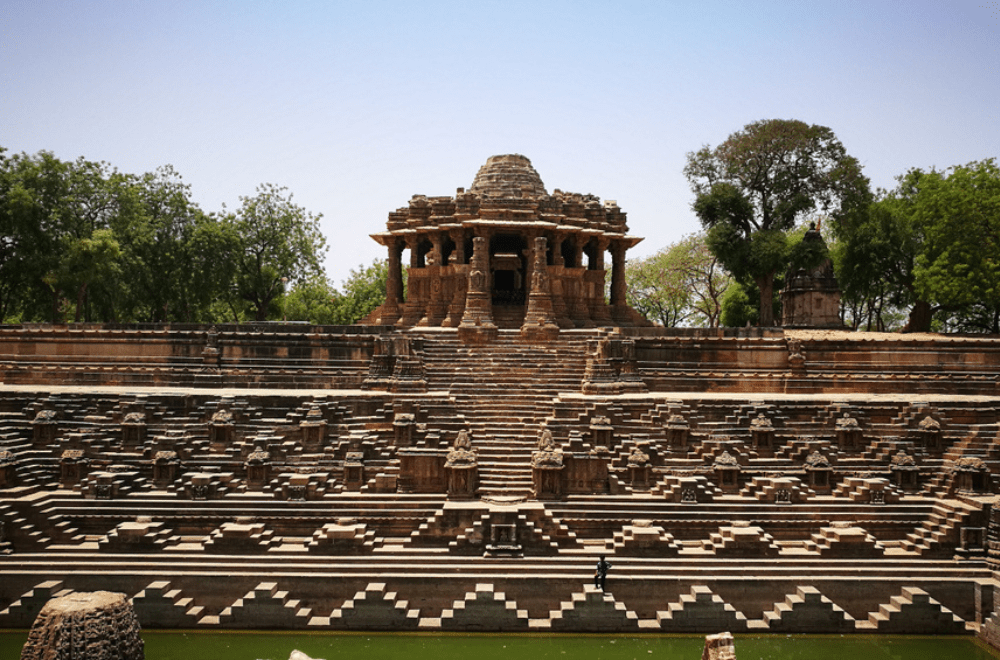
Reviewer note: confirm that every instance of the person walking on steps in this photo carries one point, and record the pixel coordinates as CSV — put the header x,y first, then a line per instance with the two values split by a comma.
x,y
601,574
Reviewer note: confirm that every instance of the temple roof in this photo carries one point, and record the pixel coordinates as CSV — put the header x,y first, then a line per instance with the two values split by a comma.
x,y
508,176
508,192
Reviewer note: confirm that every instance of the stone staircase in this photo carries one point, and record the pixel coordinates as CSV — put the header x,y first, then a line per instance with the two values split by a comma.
x,y
940,531
506,392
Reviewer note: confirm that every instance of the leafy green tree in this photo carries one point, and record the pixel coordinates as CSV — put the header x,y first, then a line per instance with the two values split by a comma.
x,y
681,284
85,261
280,243
363,291
314,300
930,246
740,306
48,212
177,260
960,265
753,188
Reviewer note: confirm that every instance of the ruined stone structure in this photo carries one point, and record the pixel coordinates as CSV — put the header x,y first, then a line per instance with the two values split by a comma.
x,y
430,478
507,254
97,625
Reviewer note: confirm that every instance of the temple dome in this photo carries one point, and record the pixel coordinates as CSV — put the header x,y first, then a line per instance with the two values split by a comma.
x,y
506,176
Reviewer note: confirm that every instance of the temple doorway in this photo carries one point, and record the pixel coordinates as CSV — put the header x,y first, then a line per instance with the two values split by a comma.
x,y
507,268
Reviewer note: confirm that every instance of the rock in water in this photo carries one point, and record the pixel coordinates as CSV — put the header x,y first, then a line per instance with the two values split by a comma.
x,y
299,655
719,647
97,625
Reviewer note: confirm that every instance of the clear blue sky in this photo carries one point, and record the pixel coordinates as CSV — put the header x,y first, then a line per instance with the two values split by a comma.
x,y
356,106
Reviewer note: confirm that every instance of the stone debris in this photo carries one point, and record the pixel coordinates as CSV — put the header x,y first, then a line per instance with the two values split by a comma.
x,y
719,647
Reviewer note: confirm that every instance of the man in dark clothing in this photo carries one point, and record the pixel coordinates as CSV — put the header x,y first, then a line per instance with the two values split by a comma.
x,y
601,575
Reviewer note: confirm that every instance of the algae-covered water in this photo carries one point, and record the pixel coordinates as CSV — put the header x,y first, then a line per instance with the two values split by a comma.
x,y
277,646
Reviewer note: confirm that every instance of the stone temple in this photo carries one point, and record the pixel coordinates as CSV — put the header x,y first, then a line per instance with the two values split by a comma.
x,y
506,254
461,460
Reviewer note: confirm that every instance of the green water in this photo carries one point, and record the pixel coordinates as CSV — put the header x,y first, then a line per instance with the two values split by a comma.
x,y
277,646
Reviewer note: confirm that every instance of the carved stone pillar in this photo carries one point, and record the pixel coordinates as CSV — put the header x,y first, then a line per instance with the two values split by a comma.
x,y
539,321
437,302
458,254
477,322
417,297
96,624
620,311
394,283
557,256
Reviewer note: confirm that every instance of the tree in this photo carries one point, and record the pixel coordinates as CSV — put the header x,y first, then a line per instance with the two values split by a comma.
x,y
960,266
48,211
682,283
313,300
753,188
932,242
280,243
363,291
176,259
317,301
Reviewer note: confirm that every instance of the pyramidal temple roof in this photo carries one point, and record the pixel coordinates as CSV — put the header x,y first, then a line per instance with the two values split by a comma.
x,y
507,176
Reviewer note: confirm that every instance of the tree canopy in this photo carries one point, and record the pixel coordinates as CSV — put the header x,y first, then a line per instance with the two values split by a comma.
x,y
82,241
755,186
933,242
682,284
280,243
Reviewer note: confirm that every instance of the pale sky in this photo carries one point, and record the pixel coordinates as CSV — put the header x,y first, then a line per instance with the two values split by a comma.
x,y
356,106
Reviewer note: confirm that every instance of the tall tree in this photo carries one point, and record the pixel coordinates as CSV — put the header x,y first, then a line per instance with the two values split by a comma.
x,y
280,243
753,188
682,284
49,208
932,241
960,266
176,259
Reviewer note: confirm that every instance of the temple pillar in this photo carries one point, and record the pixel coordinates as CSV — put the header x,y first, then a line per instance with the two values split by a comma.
x,y
457,281
620,311
458,254
617,273
416,303
394,282
437,302
557,256
477,321
539,321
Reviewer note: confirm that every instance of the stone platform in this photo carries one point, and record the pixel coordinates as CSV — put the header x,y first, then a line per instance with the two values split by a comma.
x,y
739,480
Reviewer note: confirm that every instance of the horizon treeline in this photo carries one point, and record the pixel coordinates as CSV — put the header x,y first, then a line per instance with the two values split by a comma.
x,y
81,241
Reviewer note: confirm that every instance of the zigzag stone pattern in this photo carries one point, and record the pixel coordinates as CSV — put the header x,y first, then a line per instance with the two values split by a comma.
x,y
463,465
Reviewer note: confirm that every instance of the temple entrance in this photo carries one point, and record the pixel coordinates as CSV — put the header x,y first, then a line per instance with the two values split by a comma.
x,y
507,266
